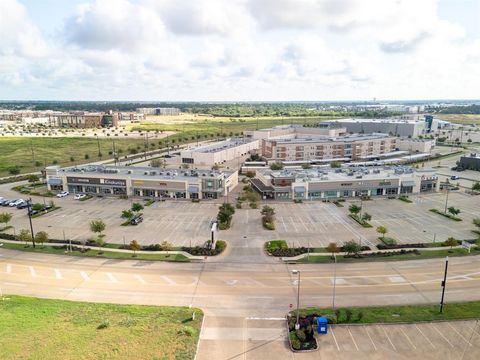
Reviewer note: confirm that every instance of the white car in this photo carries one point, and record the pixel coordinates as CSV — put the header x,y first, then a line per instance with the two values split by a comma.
x,y
79,196
15,203
62,194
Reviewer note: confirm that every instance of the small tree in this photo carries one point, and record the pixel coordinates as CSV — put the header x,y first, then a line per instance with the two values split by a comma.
x,y
137,207
134,246
476,186
382,230
5,218
41,237
476,222
276,166
166,246
452,210
333,248
366,217
97,227
33,178
335,165
354,209
100,243
351,247
24,235
127,214
451,241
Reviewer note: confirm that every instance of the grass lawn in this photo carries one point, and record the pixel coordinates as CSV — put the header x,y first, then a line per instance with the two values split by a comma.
x,y
460,118
35,328
17,151
407,313
94,253
424,254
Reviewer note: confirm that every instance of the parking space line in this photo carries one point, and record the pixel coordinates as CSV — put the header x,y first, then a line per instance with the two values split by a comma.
x,y
168,280
440,333
58,274
410,341
388,337
32,271
463,337
425,336
351,335
374,346
334,338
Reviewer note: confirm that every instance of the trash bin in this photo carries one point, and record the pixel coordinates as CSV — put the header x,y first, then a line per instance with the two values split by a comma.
x,y
322,325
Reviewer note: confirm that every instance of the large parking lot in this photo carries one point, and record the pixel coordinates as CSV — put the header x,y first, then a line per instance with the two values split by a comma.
x,y
181,223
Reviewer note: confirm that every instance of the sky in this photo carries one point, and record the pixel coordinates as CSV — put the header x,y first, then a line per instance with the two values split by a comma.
x,y
239,50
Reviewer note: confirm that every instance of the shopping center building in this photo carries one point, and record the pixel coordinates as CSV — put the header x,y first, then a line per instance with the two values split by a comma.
x,y
145,182
325,183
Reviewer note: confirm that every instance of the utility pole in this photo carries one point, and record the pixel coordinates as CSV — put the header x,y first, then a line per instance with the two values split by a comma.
x,y
98,144
114,153
297,324
444,284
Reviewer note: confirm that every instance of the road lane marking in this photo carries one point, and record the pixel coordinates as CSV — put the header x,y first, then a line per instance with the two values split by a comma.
x,y
266,318
334,338
13,284
388,337
112,278
84,275
410,341
351,335
396,279
443,336
9,269
32,271
58,274
374,346
168,280
140,279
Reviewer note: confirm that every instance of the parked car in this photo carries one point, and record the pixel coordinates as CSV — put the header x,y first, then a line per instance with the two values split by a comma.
x,y
454,177
62,194
23,205
136,220
5,202
15,203
79,196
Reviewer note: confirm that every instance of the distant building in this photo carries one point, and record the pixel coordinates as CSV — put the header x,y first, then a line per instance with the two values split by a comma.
x,y
85,120
132,117
470,162
219,152
395,127
416,145
159,111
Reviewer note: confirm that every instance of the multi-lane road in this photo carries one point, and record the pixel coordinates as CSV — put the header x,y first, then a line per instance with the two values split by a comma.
x,y
243,302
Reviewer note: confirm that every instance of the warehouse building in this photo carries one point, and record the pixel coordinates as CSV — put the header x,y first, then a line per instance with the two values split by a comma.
x,y
141,182
470,162
327,183
395,127
218,152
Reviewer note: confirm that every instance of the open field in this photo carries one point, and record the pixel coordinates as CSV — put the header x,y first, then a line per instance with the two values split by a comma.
x,y
17,151
55,329
460,118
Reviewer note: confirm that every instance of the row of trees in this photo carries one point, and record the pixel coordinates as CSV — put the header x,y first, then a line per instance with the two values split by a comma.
x,y
133,212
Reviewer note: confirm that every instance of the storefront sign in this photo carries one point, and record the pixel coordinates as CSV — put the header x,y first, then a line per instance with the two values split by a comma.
x,y
117,182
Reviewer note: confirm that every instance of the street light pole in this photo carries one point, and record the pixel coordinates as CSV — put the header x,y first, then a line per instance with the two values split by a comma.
x,y
444,284
297,324
446,199
29,210
334,280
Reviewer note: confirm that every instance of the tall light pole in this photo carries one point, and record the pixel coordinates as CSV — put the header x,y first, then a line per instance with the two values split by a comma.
x,y
334,280
29,210
444,285
446,198
297,272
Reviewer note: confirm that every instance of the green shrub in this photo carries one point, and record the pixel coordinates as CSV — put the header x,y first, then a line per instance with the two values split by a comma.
x,y
220,245
105,324
253,205
296,344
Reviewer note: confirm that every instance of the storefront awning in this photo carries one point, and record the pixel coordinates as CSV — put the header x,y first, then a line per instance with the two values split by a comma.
x,y
193,189
408,183
299,189
55,182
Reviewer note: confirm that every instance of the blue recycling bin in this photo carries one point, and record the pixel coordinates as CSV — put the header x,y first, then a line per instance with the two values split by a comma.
x,y
322,325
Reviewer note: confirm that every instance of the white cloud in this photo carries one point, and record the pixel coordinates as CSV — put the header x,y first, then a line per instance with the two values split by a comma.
x,y
239,50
